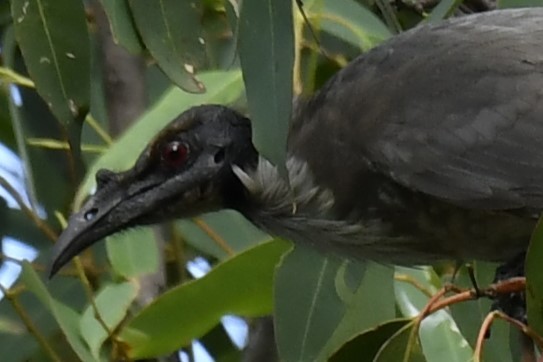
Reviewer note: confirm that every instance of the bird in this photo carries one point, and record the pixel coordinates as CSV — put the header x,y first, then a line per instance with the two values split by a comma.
x,y
425,148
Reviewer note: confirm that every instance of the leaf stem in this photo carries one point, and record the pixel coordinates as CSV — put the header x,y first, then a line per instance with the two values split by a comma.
x,y
410,280
213,235
98,129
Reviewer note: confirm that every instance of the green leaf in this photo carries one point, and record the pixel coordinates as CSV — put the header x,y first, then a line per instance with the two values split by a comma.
x,y
443,10
241,285
404,346
54,41
112,302
55,185
122,25
365,346
67,289
321,301
133,252
502,4
67,318
363,277
349,21
171,30
222,88
266,50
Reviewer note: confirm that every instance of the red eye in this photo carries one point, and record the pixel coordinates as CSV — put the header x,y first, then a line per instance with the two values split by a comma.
x,y
174,154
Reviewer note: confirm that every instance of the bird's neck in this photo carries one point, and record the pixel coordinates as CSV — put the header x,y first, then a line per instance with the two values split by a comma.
x,y
301,211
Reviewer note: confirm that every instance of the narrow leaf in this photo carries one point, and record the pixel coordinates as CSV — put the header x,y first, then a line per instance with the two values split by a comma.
x,y
53,38
171,30
112,302
133,253
469,316
266,50
404,346
67,318
55,186
365,346
439,335
351,22
443,10
321,301
241,286
122,25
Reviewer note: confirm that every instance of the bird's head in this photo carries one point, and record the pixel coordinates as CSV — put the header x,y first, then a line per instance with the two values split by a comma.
x,y
185,170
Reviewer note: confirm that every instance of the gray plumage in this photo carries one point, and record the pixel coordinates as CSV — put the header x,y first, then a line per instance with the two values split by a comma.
x,y
428,147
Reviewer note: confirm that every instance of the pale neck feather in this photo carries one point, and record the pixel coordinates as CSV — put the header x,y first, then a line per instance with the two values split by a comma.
x,y
301,211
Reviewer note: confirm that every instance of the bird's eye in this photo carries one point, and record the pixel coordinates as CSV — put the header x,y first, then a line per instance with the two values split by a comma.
x,y
174,154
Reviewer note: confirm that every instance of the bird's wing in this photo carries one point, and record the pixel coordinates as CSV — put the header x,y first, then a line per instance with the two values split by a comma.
x,y
454,111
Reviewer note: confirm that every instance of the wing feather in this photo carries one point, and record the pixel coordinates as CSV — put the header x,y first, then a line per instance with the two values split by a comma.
x,y
452,110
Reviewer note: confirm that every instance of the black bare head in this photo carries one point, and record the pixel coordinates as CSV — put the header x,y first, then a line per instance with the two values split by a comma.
x,y
184,171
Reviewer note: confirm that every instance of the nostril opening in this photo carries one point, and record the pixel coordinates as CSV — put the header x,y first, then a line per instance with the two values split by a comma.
x,y
219,156
89,215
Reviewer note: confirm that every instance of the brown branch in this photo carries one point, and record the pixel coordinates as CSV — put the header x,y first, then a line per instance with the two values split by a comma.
x,y
524,328
213,235
487,323
513,285
483,332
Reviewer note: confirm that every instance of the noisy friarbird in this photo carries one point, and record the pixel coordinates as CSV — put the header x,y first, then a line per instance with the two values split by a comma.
x,y
428,147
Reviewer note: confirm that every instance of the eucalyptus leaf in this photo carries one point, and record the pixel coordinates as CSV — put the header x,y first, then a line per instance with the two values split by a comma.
x,y
439,335
266,50
404,346
321,301
365,346
171,31
133,252
349,21
67,318
112,303
470,315
241,285
55,185
53,38
122,25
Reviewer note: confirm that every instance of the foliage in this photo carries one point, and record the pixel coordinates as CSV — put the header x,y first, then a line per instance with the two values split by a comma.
x,y
255,57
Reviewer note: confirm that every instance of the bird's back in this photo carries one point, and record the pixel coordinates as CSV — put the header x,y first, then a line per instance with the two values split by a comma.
x,y
439,130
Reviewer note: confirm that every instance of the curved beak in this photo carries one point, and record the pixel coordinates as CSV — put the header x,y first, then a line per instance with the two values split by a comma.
x,y
136,197
85,228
